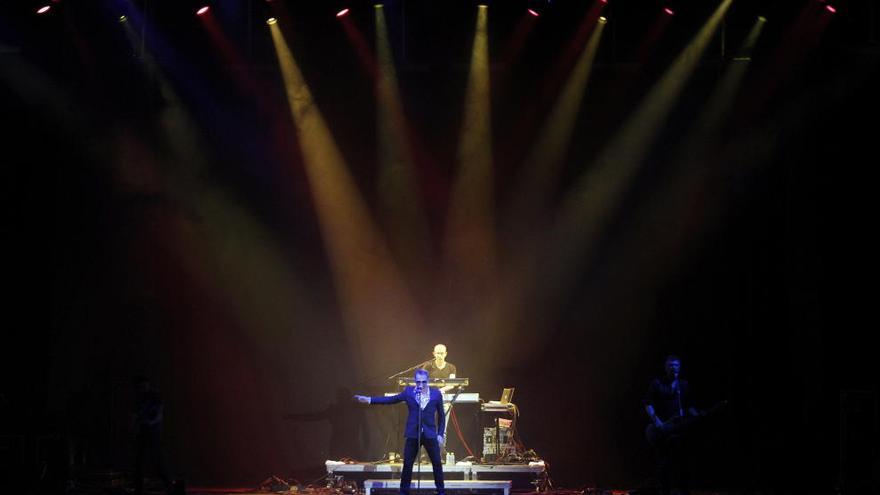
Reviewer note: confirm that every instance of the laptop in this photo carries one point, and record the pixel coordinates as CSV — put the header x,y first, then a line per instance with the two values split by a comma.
x,y
506,396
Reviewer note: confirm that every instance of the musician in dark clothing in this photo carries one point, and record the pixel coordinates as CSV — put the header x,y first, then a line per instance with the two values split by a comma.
x,y
425,424
147,420
667,402
439,367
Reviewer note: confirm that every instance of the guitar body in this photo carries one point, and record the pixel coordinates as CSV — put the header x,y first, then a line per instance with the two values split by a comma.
x,y
677,426
670,428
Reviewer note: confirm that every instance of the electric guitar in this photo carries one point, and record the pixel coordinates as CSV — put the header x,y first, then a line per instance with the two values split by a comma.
x,y
678,425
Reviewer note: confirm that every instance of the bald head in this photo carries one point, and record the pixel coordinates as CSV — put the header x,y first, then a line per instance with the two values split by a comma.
x,y
439,355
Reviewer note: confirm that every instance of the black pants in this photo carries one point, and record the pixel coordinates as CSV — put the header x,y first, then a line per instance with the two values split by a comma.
x,y
148,444
410,451
672,466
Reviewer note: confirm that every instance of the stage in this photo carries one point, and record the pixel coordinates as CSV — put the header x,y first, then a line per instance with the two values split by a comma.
x,y
522,476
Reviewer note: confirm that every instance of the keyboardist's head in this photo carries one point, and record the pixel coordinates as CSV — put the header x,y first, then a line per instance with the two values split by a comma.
x,y
440,353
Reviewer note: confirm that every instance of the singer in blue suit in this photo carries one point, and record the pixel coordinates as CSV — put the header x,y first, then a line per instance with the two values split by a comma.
x,y
425,424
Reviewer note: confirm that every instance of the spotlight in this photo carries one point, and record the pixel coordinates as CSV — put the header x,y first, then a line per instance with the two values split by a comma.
x,y
830,8
535,8
271,21
203,10
44,9
344,12
668,11
762,19
602,19
122,19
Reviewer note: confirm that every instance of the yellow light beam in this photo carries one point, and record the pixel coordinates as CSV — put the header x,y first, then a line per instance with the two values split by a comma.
x,y
400,203
588,207
378,311
535,183
227,248
723,96
669,213
540,169
470,233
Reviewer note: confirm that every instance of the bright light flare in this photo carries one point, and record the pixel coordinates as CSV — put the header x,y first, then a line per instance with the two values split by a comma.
x,y
343,12
44,9
271,21
532,12
203,10
830,8
668,11
602,19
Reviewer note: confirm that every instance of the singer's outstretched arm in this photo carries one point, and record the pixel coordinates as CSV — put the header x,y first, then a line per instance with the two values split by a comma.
x,y
394,399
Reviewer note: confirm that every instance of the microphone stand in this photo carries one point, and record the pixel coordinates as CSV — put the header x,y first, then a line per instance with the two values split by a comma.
x,y
420,365
419,444
677,384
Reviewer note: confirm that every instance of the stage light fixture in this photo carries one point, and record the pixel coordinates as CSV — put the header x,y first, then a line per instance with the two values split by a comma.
x,y
123,19
602,19
535,8
668,11
830,8
344,12
271,21
762,18
203,10
44,9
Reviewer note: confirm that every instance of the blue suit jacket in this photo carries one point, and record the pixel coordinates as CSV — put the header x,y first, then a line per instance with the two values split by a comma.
x,y
433,416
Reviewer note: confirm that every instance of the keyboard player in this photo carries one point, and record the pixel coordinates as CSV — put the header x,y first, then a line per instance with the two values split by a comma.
x,y
440,368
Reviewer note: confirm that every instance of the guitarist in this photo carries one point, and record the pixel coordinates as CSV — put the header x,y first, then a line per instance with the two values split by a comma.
x,y
668,405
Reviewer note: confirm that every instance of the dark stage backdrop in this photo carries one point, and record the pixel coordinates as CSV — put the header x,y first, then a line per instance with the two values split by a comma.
x,y
206,270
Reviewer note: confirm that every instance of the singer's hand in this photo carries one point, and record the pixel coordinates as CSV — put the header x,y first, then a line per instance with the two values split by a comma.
x,y
441,440
363,399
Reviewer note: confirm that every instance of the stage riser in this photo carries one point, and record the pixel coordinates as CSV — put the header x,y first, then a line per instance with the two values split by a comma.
x,y
449,491
426,475
520,480
520,475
